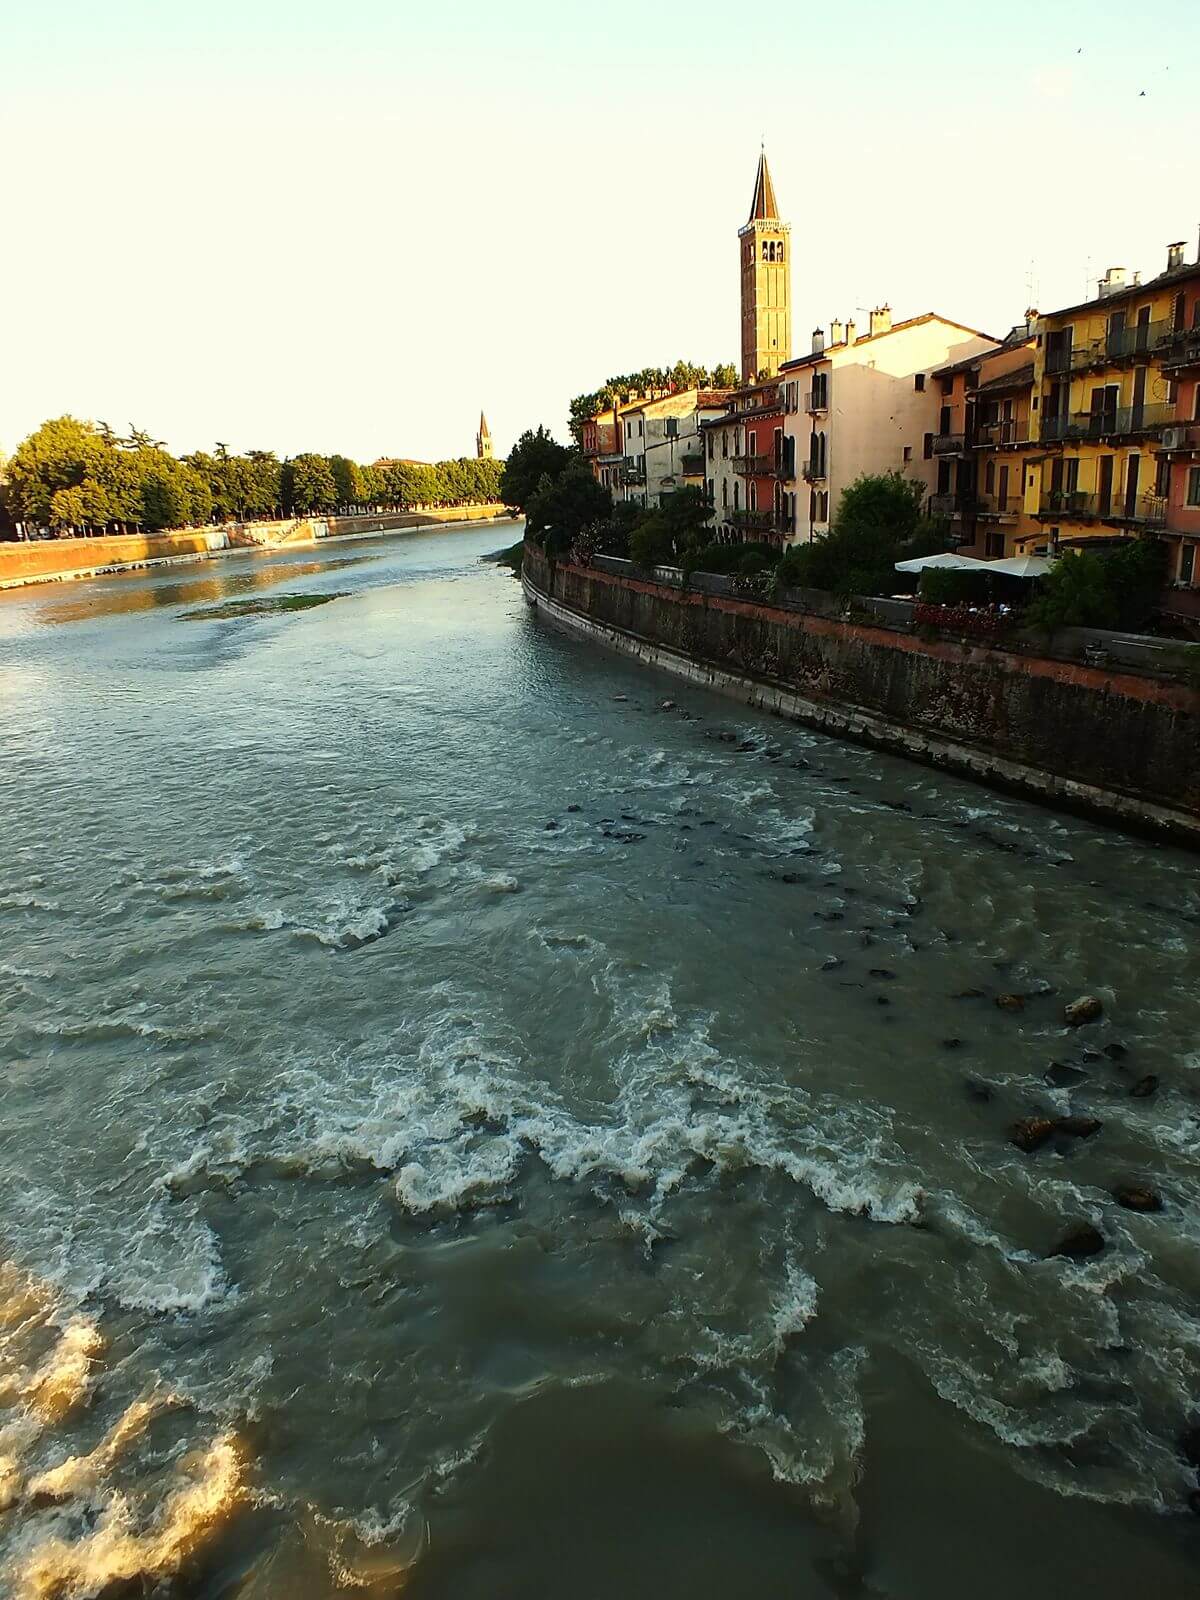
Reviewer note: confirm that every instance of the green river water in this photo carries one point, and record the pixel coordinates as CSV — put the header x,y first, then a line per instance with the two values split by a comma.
x,y
468,1131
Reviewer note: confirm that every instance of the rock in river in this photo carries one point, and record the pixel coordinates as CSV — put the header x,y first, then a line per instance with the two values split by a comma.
x,y
1144,1087
1011,1002
1134,1197
1032,1132
1078,1127
1086,1009
1080,1243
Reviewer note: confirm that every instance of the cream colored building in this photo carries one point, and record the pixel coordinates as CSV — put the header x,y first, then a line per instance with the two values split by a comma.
x,y
664,448
868,403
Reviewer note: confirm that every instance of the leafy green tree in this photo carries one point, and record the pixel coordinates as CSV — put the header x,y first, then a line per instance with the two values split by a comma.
x,y
562,507
536,455
671,532
877,524
1119,589
348,481
312,484
725,376
60,454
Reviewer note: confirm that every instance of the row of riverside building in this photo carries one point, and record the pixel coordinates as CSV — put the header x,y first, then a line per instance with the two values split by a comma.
x,y
1081,426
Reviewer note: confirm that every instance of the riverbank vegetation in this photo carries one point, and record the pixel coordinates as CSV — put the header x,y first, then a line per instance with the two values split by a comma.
x,y
82,477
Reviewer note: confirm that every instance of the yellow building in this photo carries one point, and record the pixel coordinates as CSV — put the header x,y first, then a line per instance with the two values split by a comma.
x,y
764,248
1101,402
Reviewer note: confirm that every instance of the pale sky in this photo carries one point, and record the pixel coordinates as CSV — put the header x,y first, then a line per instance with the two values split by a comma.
x,y
301,226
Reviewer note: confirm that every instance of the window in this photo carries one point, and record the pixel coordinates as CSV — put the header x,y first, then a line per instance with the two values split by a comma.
x,y
919,382
711,446
724,444
989,478
736,495
1193,486
779,251
765,255
1196,397
928,449
824,505
908,452
753,495
724,491
1162,481
1187,563
751,443
995,546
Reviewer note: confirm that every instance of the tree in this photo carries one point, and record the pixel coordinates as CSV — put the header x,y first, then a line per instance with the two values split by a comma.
x,y
59,455
675,529
536,455
725,376
877,524
348,481
312,484
563,506
1102,589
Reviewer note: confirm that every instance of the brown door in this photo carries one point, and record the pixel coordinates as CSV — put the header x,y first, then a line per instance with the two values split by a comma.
x,y
1143,329
1104,491
1004,488
1132,465
1139,396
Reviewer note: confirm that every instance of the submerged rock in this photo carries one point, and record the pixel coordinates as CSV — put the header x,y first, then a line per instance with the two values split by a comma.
x,y
1081,1243
1031,1132
831,963
881,972
1134,1197
1189,1446
1115,1051
1078,1127
1061,1075
573,809
977,1089
951,1044
1086,1009
667,705
1010,1002
1144,1087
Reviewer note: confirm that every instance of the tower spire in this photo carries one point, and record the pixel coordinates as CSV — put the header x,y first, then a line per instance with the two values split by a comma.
x,y
763,207
483,440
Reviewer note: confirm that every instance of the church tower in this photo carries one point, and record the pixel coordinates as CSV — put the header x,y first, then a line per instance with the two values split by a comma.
x,y
766,282
483,440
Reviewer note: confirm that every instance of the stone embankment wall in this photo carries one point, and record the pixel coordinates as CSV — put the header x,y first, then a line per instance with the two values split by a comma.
x,y
50,560
1119,742
43,560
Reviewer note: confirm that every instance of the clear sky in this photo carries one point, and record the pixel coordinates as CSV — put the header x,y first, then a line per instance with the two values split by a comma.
x,y
304,226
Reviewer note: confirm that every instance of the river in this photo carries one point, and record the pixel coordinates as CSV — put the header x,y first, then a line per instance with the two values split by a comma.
x,y
468,1128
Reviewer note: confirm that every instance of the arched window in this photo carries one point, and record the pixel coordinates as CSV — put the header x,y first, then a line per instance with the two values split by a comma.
x,y
736,495
753,495
765,249
779,251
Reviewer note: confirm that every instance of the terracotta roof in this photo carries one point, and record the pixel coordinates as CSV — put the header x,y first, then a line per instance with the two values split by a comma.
x,y
1018,378
763,207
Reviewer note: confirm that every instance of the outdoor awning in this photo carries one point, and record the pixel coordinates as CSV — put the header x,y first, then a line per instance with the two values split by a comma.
x,y
1023,566
948,559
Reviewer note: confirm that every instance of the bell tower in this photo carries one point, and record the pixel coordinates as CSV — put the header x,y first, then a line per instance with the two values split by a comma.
x,y
765,248
483,440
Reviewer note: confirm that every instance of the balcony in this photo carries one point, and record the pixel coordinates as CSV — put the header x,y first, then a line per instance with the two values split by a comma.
x,y
991,505
759,521
1131,343
995,435
816,402
1144,511
813,472
1074,503
1120,421
962,503
692,466
949,444
632,475
754,466
1181,348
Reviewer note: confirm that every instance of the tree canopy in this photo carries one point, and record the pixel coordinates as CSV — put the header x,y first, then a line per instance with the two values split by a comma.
x,y
878,523
71,474
1118,588
536,455
614,391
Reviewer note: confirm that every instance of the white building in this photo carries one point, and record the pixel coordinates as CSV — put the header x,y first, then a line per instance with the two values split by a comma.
x,y
664,450
866,403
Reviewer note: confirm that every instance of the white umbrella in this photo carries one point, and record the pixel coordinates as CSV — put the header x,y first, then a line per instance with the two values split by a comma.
x,y
1023,566
948,558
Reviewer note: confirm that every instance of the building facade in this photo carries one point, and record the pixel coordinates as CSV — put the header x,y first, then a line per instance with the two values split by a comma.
x,y
749,467
868,403
765,251
1107,393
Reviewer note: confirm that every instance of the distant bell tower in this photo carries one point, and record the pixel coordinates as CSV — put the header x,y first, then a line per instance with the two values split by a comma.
x,y
483,440
766,282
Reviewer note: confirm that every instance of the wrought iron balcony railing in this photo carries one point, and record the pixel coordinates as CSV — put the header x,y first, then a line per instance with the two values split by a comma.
x,y
1181,348
816,401
1122,344
1069,503
955,504
990,434
992,505
949,444
632,475
692,466
1110,424
754,466
760,521
813,472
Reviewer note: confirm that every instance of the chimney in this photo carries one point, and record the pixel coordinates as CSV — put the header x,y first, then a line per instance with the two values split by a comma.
x,y
818,341
1112,280
1175,255
881,319
836,332
851,331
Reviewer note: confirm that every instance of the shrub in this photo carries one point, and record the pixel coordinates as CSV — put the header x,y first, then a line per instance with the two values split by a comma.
x,y
1102,589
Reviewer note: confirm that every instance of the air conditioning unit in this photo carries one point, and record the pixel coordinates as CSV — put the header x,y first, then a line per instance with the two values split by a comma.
x,y
1174,438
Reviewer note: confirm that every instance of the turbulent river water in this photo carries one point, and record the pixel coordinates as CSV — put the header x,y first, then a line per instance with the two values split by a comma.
x,y
469,1129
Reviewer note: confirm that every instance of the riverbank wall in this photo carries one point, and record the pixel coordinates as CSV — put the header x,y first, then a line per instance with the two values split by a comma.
x,y
62,560
1108,725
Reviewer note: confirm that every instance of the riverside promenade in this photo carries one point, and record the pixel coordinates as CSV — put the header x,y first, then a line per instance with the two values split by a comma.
x,y
61,560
